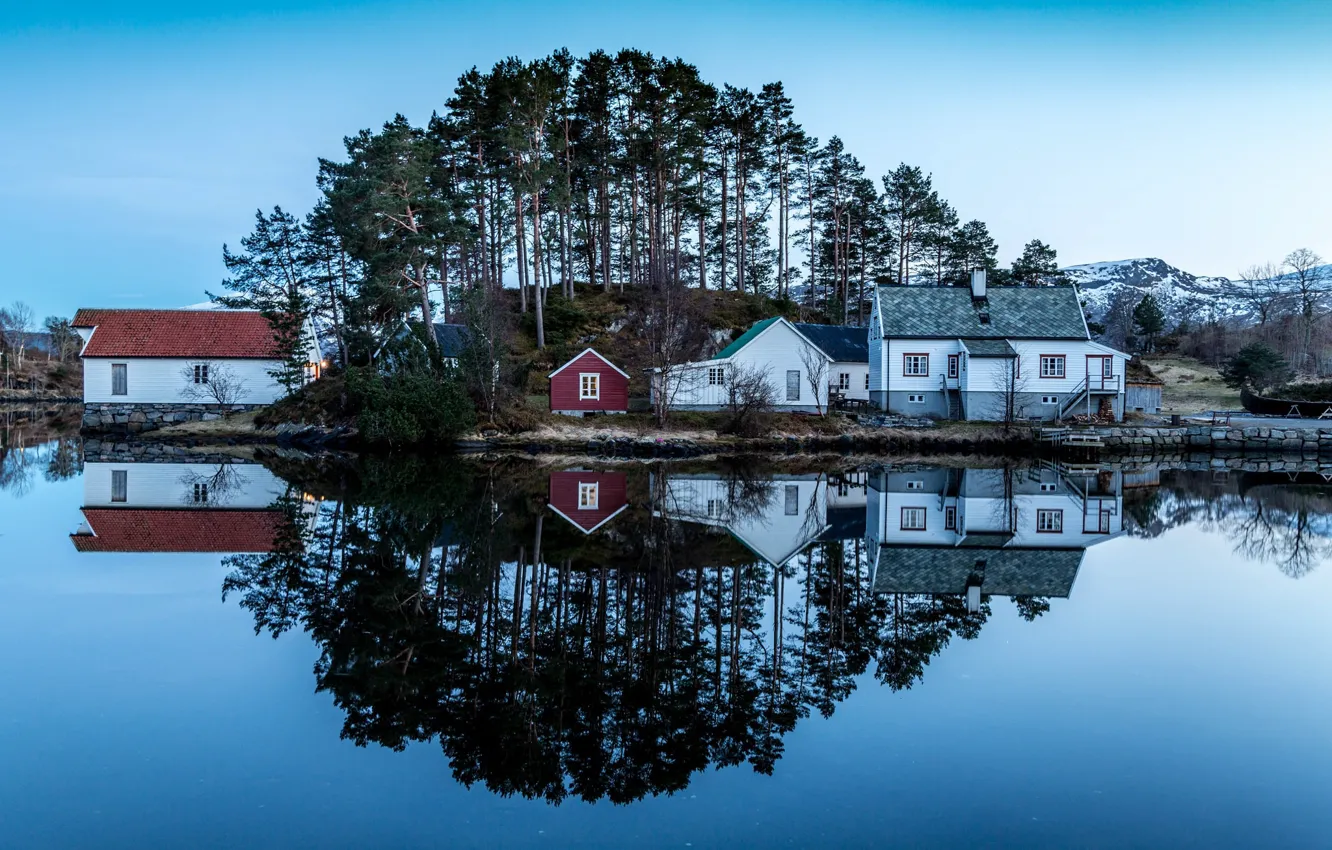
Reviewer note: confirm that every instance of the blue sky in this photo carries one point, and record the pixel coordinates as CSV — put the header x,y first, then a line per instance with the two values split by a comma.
x,y
138,137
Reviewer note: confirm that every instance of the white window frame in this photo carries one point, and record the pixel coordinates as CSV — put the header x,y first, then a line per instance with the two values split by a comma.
x,y
1049,521
124,372
1049,399
589,495
200,493
716,376
793,387
867,381
916,485
915,365
1048,362
914,513
120,485
950,518
583,394
201,373
915,398
844,380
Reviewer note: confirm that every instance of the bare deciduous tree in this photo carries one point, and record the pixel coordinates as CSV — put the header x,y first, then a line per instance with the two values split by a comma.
x,y
750,397
1259,287
1305,275
816,372
1010,382
674,329
209,382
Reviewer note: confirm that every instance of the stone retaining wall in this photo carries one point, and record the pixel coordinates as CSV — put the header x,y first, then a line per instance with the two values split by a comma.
x,y
1253,439
137,418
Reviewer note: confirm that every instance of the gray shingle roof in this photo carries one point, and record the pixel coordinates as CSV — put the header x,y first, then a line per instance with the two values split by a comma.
x,y
1007,572
1016,312
452,339
843,344
989,348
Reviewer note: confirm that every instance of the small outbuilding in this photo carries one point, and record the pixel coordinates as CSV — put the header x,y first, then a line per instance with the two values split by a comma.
x,y
588,499
589,383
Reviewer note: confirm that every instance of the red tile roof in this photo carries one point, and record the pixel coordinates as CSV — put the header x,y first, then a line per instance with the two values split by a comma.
x,y
177,333
171,530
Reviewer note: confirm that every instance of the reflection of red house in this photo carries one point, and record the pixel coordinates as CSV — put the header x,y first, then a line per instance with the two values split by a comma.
x,y
589,383
588,499
169,530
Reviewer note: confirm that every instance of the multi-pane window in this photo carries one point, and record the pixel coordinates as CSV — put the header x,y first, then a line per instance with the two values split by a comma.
x,y
793,385
913,519
200,493
950,518
716,376
1052,365
201,373
589,495
844,380
589,386
119,485
915,398
119,379
916,365
867,381
915,485
1049,399
952,365
1049,521
714,507
792,506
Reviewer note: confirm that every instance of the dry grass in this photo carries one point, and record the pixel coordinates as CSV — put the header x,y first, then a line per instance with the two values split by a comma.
x,y
1192,386
235,425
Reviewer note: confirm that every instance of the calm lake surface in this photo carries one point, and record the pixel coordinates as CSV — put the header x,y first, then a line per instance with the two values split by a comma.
x,y
459,653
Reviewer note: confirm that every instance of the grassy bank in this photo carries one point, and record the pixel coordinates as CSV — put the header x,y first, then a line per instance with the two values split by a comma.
x,y
1191,386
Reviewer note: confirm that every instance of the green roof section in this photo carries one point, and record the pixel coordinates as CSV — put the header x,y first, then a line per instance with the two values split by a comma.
x,y
1008,312
745,338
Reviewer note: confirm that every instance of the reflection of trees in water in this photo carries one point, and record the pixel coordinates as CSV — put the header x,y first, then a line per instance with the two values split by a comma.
x,y
448,603
57,459
1268,517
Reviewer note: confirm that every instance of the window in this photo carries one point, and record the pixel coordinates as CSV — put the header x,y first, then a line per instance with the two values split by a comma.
x,y
200,494
119,485
913,519
716,376
119,379
844,380
793,385
916,398
1049,487
792,507
588,496
1052,365
950,518
1049,522
589,386
201,373
867,381
1049,399
714,507
952,365
915,485
916,365
1107,367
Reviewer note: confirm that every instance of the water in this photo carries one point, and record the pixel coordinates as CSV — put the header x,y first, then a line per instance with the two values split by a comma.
x,y
493,654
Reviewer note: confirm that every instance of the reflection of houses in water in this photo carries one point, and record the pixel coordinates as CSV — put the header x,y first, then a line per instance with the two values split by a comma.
x,y
179,507
992,531
775,517
588,499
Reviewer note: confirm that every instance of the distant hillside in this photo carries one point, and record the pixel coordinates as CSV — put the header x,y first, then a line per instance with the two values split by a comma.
x,y
1182,295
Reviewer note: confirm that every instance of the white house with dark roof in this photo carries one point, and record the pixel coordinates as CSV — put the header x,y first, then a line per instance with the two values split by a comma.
x,y
999,354
1004,532
785,351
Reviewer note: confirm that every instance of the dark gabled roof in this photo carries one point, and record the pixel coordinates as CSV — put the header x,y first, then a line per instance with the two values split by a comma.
x,y
1006,572
452,339
1015,312
744,338
843,344
997,348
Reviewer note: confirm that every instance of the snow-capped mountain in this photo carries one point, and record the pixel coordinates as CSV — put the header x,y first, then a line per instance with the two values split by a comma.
x,y
1180,294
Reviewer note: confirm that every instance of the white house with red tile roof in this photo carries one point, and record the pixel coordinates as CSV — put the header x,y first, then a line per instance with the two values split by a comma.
x,y
158,357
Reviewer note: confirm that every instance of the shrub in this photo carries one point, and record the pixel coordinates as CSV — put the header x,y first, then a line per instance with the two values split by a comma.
x,y
1257,365
411,406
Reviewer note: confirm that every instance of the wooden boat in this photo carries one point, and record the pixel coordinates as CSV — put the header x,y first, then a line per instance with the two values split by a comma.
x,y
1289,408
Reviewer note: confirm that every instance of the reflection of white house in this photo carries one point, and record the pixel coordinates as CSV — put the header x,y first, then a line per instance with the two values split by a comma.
x,y
179,507
992,531
776,518
1009,352
786,351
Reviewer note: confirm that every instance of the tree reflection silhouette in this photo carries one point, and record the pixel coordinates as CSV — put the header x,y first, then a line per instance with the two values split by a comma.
x,y
447,603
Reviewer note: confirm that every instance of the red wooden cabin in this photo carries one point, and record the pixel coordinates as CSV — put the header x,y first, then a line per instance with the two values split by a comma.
x,y
588,499
589,383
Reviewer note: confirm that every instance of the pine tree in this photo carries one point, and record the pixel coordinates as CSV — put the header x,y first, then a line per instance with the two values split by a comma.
x,y
1037,266
1148,320
910,201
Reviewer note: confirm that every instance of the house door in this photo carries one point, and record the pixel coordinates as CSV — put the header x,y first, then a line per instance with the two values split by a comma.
x,y
1100,371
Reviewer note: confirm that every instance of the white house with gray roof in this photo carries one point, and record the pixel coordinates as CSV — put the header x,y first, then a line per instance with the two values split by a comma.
x,y
1005,353
785,351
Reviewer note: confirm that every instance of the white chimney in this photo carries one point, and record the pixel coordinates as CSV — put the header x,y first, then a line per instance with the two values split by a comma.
x,y
978,283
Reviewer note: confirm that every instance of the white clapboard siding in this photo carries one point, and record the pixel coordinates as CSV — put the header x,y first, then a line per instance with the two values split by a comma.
x,y
776,350
937,350
159,380
985,374
172,485
766,526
